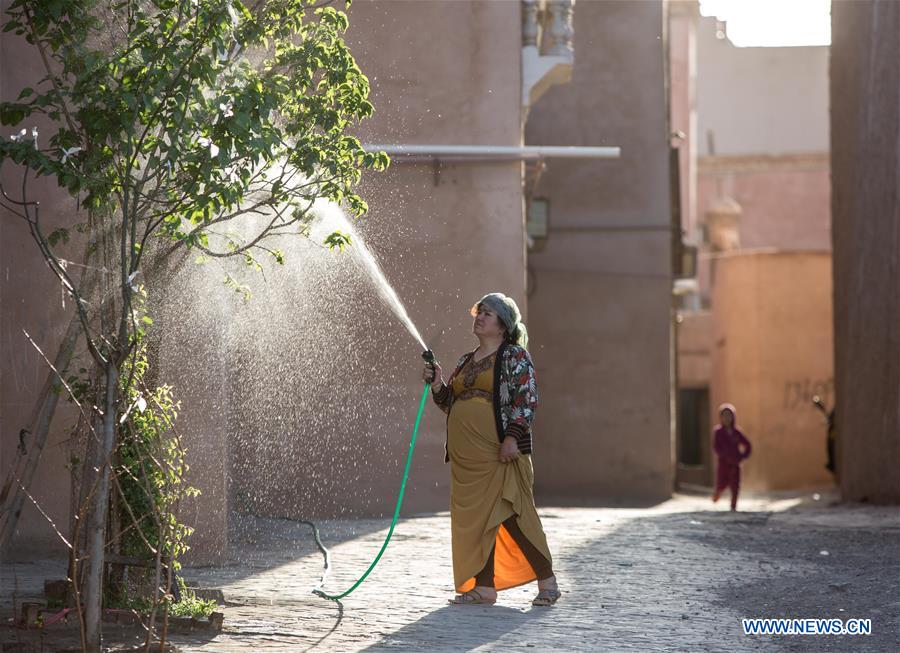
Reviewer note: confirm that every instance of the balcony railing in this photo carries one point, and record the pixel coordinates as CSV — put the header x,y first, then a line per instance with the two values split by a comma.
x,y
547,50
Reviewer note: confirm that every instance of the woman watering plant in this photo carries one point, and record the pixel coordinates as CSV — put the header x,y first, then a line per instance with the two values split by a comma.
x,y
498,541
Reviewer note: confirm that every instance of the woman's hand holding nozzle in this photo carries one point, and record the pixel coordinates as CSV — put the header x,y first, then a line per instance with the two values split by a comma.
x,y
432,375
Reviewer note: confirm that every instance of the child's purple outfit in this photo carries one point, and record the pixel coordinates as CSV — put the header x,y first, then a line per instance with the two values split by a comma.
x,y
731,447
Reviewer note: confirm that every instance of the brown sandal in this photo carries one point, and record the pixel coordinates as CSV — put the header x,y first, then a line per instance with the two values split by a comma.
x,y
546,598
472,597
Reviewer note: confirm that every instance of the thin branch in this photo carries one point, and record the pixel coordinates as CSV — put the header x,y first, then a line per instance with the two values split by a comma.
x,y
59,376
45,515
134,519
50,74
57,267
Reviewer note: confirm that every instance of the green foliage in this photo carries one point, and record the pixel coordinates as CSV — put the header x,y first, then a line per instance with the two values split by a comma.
x,y
171,120
240,288
338,240
79,386
58,235
151,467
189,605
180,114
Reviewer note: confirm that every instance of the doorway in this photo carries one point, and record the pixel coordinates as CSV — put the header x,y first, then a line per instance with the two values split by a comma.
x,y
693,456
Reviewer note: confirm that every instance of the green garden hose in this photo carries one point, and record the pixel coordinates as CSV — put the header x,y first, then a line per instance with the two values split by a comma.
x,y
412,444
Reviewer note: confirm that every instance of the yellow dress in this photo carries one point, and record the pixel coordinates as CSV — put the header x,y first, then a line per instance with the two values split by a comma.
x,y
485,492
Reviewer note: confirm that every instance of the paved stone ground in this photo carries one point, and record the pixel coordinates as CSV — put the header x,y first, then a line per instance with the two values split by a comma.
x,y
675,577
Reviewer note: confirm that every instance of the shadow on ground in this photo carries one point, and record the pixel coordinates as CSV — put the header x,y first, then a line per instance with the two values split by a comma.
x,y
484,625
683,581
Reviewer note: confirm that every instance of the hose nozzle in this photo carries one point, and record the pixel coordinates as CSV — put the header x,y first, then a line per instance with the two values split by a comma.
x,y
428,355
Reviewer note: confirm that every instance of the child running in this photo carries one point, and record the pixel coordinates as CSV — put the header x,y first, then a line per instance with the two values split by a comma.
x,y
731,447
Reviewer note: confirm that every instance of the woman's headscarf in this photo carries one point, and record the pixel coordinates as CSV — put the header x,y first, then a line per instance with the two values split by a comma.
x,y
509,314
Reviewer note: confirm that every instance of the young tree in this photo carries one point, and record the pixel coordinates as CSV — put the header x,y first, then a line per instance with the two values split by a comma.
x,y
169,120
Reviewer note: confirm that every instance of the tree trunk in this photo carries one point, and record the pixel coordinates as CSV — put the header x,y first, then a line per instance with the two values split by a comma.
x,y
96,540
115,579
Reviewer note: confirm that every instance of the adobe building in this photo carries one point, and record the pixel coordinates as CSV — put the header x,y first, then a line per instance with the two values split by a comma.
x,y
754,322
318,424
600,281
771,352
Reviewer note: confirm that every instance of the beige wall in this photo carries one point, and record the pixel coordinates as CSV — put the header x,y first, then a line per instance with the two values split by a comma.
x,y
683,19
199,375
457,84
772,335
600,318
443,71
31,300
784,199
600,311
768,110
760,100
694,345
444,239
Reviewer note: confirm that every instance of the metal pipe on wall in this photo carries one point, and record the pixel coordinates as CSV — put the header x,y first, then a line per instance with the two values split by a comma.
x,y
496,152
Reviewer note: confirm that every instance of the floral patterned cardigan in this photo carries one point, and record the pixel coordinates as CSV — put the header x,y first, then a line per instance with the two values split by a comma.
x,y
515,395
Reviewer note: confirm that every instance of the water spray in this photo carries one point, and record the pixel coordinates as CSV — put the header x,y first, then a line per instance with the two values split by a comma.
x,y
428,355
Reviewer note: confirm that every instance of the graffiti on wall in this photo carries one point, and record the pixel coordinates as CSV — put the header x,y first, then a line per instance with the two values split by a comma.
x,y
800,393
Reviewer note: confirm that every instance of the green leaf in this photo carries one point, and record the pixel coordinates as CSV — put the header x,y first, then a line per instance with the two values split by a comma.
x,y
338,240
58,235
12,113
142,95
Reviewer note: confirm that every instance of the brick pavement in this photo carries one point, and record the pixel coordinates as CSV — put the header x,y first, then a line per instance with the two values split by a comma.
x,y
674,577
